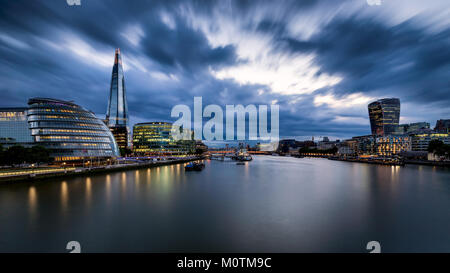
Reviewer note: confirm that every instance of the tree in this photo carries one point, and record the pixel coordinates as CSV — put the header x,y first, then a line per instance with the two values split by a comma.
x,y
333,150
438,148
124,151
303,150
434,145
38,154
16,155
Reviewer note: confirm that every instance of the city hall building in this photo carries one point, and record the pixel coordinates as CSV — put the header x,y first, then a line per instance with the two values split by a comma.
x,y
14,127
69,131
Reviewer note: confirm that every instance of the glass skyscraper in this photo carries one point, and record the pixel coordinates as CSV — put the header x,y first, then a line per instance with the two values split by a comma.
x,y
117,112
384,115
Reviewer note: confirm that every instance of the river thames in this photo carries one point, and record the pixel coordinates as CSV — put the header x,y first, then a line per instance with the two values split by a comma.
x,y
272,204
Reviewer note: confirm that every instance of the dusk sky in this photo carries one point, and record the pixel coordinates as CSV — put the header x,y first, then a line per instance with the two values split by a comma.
x,y
322,62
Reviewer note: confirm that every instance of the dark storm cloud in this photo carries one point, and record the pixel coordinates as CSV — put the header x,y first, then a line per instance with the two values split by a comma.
x,y
99,24
39,41
373,57
183,46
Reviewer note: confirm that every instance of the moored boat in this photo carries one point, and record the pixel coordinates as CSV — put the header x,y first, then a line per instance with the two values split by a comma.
x,y
194,166
242,155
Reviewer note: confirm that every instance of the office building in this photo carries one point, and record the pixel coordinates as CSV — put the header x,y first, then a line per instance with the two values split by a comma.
x,y
420,141
365,145
326,144
347,147
392,145
117,112
403,129
384,115
284,145
442,126
155,138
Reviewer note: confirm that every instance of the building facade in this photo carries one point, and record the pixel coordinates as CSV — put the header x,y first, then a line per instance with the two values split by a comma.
x,y
348,147
403,129
69,131
117,112
420,142
384,115
155,138
284,145
442,126
365,145
326,144
388,146
14,128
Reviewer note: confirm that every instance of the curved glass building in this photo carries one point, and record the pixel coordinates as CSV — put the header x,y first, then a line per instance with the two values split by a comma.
x,y
69,131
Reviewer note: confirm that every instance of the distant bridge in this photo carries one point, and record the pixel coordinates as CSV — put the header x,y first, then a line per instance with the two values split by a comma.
x,y
232,152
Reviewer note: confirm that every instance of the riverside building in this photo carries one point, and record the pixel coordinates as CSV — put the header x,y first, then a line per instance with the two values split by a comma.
x,y
155,138
388,146
70,132
420,141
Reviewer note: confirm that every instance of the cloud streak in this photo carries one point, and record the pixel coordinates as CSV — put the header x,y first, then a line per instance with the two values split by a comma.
x,y
321,61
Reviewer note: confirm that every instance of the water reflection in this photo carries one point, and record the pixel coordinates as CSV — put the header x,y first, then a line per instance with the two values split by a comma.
x,y
123,186
136,178
32,202
270,204
108,188
64,197
88,191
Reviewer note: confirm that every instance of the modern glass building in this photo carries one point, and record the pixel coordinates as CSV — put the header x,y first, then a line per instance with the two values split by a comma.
x,y
117,112
384,115
14,127
392,145
403,129
69,131
365,145
420,141
156,138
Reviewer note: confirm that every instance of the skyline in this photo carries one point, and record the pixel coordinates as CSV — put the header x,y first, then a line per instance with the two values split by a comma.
x,y
175,51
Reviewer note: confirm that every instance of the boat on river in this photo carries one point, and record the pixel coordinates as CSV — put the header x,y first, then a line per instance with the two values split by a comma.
x,y
242,155
194,166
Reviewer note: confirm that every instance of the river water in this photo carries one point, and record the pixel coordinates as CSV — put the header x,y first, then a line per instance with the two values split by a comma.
x,y
272,204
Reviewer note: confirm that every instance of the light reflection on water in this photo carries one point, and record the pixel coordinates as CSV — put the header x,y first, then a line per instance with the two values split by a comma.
x,y
272,204
64,197
88,192
32,202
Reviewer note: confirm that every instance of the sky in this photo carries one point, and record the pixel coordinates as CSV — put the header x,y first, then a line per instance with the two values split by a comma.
x,y
321,61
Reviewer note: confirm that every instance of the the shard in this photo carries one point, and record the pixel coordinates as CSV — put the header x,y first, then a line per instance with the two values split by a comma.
x,y
117,112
